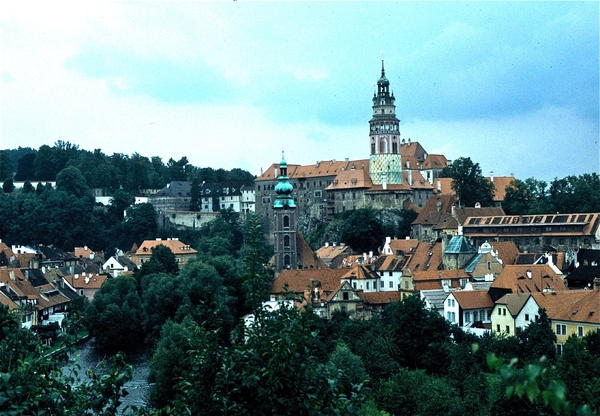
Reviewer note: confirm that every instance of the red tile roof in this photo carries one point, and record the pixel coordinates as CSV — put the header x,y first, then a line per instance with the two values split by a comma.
x,y
473,299
571,305
518,280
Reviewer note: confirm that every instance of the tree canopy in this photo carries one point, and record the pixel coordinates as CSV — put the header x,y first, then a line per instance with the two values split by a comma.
x,y
470,186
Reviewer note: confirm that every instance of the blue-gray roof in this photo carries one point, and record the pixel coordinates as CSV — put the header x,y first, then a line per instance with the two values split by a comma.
x,y
459,245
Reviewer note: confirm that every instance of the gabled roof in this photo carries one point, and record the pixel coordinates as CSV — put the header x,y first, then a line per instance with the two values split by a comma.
x,y
307,258
52,253
462,213
391,263
426,257
86,281
435,162
319,169
300,280
514,302
15,279
588,255
380,298
571,305
418,181
330,252
432,279
176,246
351,179
83,252
405,245
531,278
359,272
473,299
430,215
500,184
507,251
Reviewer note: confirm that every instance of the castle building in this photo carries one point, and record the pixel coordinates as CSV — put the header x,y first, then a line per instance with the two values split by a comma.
x,y
398,174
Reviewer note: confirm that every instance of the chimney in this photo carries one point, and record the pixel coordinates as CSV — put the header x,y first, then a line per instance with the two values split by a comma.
x,y
439,186
11,274
492,176
529,274
410,181
384,181
326,243
597,283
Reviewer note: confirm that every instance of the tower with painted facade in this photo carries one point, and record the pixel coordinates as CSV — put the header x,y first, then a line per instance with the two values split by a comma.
x,y
284,219
385,165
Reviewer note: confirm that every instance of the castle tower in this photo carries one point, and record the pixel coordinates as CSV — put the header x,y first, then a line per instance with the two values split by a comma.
x,y
284,218
385,162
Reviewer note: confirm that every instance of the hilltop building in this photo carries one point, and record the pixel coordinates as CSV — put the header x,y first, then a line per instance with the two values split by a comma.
x,y
398,174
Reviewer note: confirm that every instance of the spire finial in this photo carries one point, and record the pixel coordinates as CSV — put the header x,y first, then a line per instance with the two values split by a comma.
x,y
382,68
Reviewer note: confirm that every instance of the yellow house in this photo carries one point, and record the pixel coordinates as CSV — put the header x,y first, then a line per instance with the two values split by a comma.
x,y
513,312
183,252
573,312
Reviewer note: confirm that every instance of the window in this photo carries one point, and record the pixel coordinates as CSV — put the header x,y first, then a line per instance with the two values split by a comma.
x,y
345,295
507,329
286,241
579,331
390,274
559,349
381,284
451,316
503,311
498,328
318,194
286,260
468,316
286,221
561,329
475,316
354,285
367,285
527,317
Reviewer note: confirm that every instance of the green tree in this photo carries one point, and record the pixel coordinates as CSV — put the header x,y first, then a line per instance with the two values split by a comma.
x,y
34,382
8,186
139,224
6,166
362,229
72,181
28,188
119,202
195,197
468,183
115,315
257,279
26,167
537,339
418,333
162,261
407,216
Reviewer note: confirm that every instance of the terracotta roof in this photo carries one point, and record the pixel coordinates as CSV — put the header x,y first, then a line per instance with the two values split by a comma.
x,y
176,246
421,257
19,285
391,263
507,251
472,299
432,279
50,296
463,213
87,281
418,181
319,169
412,149
435,162
516,278
331,252
571,305
351,179
403,244
500,184
299,280
380,298
307,258
430,214
443,186
6,301
359,272
83,252
514,302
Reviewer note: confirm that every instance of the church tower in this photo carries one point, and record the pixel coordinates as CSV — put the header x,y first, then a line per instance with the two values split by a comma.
x,y
385,162
284,217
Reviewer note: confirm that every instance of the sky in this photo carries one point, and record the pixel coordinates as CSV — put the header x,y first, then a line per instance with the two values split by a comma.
x,y
512,85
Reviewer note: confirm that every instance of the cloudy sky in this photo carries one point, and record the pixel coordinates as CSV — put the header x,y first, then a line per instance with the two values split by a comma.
x,y
513,85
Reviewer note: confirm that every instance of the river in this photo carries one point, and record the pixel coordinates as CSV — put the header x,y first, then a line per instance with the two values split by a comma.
x,y
138,388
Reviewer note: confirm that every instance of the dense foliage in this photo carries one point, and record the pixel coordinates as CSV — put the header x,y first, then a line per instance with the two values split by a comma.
x,y
468,183
567,195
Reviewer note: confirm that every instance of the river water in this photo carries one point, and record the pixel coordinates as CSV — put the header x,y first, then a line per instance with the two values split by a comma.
x,y
138,388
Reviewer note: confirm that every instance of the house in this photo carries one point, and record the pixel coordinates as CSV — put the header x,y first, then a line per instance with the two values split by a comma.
x,y
375,302
513,312
507,251
84,252
469,309
390,269
457,253
535,233
118,265
362,277
485,265
586,270
440,279
183,252
85,284
572,312
345,299
399,247
19,291
333,255
530,278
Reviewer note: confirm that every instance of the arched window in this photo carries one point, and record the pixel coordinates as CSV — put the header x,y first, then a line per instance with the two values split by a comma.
x,y
286,241
286,221
286,260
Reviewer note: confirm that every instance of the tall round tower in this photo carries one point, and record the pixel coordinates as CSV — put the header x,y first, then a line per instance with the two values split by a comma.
x,y
385,162
284,227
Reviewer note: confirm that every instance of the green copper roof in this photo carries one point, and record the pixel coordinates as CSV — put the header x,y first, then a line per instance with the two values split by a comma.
x,y
459,245
284,189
